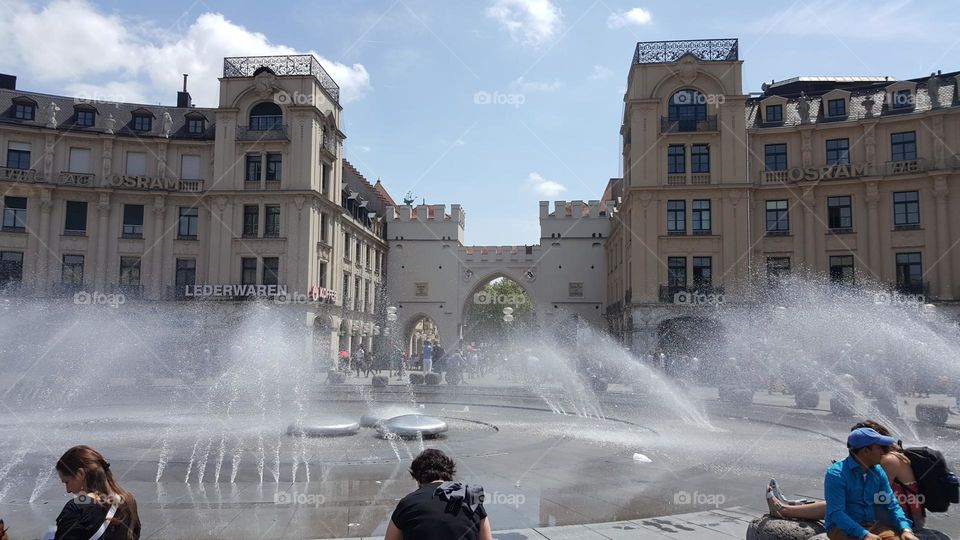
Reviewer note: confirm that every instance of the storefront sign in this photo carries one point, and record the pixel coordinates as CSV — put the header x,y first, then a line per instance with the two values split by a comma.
x,y
231,291
323,295
836,172
144,182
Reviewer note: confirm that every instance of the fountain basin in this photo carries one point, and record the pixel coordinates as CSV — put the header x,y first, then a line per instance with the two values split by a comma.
x,y
325,426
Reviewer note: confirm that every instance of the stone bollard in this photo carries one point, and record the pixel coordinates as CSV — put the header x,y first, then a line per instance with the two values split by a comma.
x,y
379,381
432,379
769,528
598,385
841,407
807,399
932,414
416,378
336,377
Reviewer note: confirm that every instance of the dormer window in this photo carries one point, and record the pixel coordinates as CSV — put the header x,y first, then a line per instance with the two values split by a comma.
x,y
773,114
24,109
836,108
196,126
85,117
902,99
142,122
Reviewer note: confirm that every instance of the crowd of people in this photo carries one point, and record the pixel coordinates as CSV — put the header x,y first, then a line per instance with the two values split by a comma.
x,y
470,361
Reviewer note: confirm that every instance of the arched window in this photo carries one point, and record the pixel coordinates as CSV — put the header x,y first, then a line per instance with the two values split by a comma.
x,y
687,105
265,117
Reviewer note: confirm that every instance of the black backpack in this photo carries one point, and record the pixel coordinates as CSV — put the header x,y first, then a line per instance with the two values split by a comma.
x,y
936,482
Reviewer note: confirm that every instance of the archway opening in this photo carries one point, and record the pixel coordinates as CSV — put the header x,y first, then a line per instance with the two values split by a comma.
x,y
498,314
419,331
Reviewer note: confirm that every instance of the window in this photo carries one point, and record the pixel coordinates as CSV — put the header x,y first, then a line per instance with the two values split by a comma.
x,y
775,157
366,294
701,216
24,111
840,213
903,146
703,272
687,105
11,266
186,273
72,273
15,214
777,269
836,107
136,163
274,167
841,269
346,289
677,272
248,271
778,217
357,258
903,99
909,273
774,114
368,260
130,271
676,159
253,168
266,117
189,223
76,220
676,217
85,118
322,278
906,209
838,151
271,270
575,289
18,156
196,126
356,293
133,221
324,234
421,289
346,246
700,158
190,167
272,227
251,220
80,160
142,122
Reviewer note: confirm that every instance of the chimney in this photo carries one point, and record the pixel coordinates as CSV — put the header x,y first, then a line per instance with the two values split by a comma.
x,y
183,98
8,82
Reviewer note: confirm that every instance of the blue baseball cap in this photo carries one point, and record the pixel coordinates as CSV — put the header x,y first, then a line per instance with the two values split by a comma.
x,y
862,437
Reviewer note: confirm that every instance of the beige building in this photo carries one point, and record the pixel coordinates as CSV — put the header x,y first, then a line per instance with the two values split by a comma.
x,y
722,192
248,199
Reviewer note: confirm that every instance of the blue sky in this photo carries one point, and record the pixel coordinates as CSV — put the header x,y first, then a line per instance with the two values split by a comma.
x,y
413,71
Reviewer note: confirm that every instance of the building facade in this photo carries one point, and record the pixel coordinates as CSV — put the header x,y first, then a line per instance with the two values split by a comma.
x,y
724,192
248,199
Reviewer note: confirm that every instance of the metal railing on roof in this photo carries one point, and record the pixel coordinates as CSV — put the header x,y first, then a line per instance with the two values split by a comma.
x,y
709,50
301,64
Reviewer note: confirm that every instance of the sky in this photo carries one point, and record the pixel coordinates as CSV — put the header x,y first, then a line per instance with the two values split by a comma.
x,y
492,104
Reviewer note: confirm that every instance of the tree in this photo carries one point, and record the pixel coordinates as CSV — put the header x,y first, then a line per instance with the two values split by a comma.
x,y
484,320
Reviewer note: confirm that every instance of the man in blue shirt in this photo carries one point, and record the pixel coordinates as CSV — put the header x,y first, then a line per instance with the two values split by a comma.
x,y
858,492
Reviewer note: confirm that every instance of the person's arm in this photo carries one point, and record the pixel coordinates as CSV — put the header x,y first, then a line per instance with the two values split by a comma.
x,y
893,505
836,496
485,532
393,533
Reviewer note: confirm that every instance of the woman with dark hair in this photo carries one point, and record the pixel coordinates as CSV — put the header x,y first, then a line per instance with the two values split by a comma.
x,y
895,464
102,509
440,509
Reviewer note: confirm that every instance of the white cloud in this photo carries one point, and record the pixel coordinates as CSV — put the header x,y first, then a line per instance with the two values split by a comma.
x,y
529,22
544,187
535,86
600,73
69,41
634,17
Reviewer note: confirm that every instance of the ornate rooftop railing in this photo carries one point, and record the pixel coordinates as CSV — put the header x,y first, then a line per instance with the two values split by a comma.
x,y
710,50
302,64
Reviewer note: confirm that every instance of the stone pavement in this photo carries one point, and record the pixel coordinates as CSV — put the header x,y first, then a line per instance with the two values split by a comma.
x,y
720,524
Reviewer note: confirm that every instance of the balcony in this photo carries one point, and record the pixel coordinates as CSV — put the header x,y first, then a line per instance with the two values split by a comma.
x,y
329,145
774,177
76,179
18,175
302,64
191,186
679,179
246,133
700,178
688,125
708,50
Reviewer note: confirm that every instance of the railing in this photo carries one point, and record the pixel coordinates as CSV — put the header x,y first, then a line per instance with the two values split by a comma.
x,y
18,175
76,179
676,179
272,185
774,177
710,50
688,125
246,133
329,144
191,186
700,178
304,64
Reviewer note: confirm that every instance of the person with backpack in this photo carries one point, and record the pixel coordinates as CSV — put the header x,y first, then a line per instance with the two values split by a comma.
x,y
919,478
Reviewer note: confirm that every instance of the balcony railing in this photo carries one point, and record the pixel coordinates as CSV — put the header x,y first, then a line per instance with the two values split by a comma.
x,y
774,177
18,175
700,178
76,179
329,144
246,133
688,125
676,179
303,64
191,186
709,50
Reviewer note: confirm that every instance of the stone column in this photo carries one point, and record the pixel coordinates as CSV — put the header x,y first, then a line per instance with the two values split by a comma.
x,y
873,228
944,267
103,224
43,245
156,255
